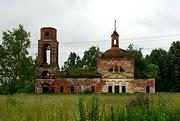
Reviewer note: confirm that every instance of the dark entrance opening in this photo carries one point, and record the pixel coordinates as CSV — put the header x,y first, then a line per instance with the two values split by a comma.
x,y
116,89
61,89
72,89
93,89
110,89
45,88
123,89
147,89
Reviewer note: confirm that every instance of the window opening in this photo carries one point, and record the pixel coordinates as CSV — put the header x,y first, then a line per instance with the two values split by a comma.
x,y
121,69
115,42
111,69
47,33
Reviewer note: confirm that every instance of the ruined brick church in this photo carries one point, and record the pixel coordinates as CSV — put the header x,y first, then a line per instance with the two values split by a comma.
x,y
116,70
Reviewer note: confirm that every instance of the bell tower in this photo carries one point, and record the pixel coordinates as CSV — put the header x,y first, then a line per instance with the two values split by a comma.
x,y
47,53
115,37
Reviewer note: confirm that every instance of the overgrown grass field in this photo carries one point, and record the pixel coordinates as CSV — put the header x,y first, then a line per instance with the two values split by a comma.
x,y
92,107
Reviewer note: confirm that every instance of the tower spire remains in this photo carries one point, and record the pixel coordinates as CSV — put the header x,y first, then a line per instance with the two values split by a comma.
x,y
115,37
115,25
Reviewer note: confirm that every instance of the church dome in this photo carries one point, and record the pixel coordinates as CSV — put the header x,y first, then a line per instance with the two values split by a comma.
x,y
115,52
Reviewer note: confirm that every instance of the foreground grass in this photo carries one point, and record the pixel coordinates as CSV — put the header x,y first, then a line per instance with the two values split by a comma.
x,y
100,107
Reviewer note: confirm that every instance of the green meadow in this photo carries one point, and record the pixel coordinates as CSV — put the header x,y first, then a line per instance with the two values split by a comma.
x,y
90,107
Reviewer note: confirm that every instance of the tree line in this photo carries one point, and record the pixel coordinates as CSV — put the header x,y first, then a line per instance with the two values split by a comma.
x,y
18,69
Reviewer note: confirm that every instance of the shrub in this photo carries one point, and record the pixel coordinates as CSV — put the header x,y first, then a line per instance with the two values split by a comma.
x,y
87,91
78,73
139,100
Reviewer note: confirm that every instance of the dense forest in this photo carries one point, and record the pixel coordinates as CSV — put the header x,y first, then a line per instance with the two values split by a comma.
x,y
18,69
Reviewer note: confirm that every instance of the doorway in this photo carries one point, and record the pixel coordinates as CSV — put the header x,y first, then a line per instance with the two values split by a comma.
x,y
147,89
123,89
72,89
61,89
45,88
109,89
116,89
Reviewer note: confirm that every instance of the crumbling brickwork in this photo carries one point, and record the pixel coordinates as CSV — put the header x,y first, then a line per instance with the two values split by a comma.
x,y
78,85
144,85
70,85
122,68
97,85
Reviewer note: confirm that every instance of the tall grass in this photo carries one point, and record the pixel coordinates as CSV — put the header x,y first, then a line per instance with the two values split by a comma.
x,y
80,107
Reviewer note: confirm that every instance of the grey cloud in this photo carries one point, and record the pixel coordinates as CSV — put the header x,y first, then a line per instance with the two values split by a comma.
x,y
75,22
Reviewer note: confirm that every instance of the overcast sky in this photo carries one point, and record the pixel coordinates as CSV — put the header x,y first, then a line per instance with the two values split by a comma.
x,y
148,24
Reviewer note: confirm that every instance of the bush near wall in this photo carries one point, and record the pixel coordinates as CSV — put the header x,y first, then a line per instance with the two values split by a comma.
x,y
79,73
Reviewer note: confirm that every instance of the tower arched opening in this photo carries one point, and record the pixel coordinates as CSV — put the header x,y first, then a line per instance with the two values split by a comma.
x,y
45,74
46,53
